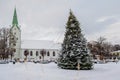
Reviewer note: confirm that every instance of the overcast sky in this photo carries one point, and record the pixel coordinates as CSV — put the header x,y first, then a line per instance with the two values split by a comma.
x,y
46,19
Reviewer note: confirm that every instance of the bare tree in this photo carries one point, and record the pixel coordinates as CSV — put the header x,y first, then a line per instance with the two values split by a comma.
x,y
116,47
7,39
43,53
26,53
108,48
101,47
93,49
101,40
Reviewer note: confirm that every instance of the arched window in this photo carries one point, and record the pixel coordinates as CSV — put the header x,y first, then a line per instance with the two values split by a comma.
x,y
48,54
36,53
14,50
14,44
117,54
113,54
40,57
31,53
53,53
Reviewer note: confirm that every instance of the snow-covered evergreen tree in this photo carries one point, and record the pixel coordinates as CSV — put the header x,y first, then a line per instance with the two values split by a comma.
x,y
74,51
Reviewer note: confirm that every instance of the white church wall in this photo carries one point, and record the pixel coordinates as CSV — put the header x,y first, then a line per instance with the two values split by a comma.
x,y
52,56
39,57
17,33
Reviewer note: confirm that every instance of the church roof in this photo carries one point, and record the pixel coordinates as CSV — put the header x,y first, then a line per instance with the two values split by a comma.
x,y
15,20
39,44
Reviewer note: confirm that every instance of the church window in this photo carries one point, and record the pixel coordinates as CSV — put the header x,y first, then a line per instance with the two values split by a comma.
x,y
14,50
48,54
36,53
117,54
31,53
14,44
53,53
113,54
12,38
40,57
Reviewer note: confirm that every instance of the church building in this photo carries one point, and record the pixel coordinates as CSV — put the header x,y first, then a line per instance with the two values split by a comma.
x,y
32,50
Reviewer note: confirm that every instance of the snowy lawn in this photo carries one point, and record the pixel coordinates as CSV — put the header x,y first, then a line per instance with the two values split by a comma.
x,y
31,71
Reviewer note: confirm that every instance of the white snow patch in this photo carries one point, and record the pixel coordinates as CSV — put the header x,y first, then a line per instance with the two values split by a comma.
x,y
31,71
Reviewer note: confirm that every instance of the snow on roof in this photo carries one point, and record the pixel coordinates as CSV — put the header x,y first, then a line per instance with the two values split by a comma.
x,y
39,44
115,51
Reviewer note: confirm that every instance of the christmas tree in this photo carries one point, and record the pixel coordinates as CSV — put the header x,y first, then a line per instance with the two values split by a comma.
x,y
74,52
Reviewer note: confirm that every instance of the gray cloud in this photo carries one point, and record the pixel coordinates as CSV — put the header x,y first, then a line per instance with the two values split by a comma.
x,y
46,19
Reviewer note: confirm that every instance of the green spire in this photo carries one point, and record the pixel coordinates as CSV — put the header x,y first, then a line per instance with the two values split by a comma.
x,y
15,21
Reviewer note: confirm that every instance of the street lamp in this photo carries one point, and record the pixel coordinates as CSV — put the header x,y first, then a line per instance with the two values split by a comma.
x,y
78,62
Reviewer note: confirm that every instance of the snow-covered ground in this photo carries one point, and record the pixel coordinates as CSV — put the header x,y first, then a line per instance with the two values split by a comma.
x,y
31,71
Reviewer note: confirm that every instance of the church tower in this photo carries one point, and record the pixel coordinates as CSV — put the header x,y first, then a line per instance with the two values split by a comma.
x,y
15,29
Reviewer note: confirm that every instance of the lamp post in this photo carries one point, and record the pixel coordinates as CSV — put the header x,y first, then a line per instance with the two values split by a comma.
x,y
78,62
78,67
